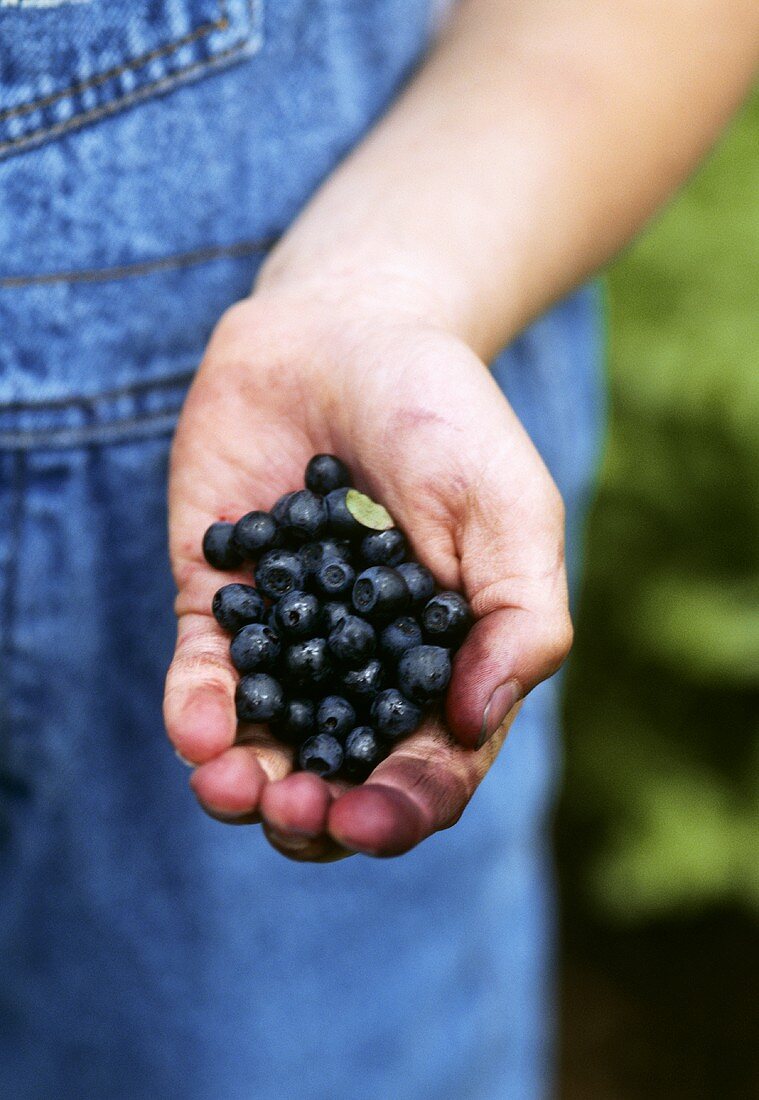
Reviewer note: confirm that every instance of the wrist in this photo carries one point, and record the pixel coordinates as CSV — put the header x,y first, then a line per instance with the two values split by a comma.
x,y
394,286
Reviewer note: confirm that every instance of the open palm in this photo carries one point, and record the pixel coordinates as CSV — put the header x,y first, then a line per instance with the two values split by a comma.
x,y
424,429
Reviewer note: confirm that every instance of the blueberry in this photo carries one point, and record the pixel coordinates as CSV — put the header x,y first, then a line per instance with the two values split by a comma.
x,y
334,579
421,583
363,752
362,684
333,613
254,533
352,642
424,672
335,716
383,547
380,593
297,721
279,572
259,698
325,473
235,605
304,516
297,615
340,522
313,554
307,662
400,635
447,618
394,715
219,549
322,755
278,508
255,647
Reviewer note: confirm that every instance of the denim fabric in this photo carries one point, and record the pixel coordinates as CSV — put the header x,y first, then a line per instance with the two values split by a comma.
x,y
146,950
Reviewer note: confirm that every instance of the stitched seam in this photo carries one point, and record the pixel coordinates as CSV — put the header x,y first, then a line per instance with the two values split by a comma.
x,y
118,104
144,267
222,23
54,438
91,401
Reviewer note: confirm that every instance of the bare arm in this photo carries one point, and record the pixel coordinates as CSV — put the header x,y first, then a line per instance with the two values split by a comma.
x,y
536,141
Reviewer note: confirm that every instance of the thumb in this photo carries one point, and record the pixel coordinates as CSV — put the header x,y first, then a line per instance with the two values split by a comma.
x,y
513,569
505,655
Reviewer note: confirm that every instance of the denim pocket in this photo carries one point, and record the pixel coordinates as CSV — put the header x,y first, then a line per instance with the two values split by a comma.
x,y
67,64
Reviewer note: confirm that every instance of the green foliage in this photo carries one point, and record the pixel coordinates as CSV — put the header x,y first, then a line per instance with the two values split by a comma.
x,y
663,700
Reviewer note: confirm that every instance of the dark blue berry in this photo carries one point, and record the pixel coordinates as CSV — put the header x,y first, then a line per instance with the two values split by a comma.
x,y
333,612
297,721
340,522
219,548
236,605
298,615
424,672
304,516
279,572
255,646
325,473
336,716
380,593
254,533
400,635
447,618
307,662
393,715
383,547
322,755
363,752
278,508
259,698
362,684
313,554
334,579
353,641
421,583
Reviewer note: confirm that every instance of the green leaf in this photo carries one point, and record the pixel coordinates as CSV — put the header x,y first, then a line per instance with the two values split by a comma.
x,y
367,512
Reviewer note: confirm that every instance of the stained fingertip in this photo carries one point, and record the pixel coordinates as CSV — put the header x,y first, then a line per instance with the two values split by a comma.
x,y
231,784
376,820
298,804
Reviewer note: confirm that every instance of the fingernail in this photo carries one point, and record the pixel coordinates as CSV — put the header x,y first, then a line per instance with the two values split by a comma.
x,y
289,842
504,698
187,763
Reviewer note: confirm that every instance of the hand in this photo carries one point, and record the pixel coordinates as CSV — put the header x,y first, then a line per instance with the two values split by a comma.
x,y
425,430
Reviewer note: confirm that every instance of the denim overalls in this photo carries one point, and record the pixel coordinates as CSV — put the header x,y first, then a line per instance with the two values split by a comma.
x,y
150,152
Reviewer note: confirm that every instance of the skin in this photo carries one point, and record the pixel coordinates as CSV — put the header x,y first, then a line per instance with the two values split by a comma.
x,y
532,145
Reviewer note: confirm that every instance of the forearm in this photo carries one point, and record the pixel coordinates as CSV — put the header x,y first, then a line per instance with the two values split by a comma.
x,y
534,143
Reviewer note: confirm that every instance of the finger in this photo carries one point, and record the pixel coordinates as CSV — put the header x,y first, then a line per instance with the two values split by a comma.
x,y
231,785
512,552
199,707
297,806
505,655
294,812
422,787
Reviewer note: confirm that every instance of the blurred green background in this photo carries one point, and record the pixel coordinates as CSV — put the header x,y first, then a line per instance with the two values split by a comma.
x,y
658,831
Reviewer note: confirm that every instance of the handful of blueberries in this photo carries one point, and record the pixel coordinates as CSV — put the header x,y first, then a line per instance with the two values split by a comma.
x,y
342,642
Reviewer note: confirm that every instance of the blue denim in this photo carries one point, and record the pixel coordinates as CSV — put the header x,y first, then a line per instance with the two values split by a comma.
x,y
149,155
